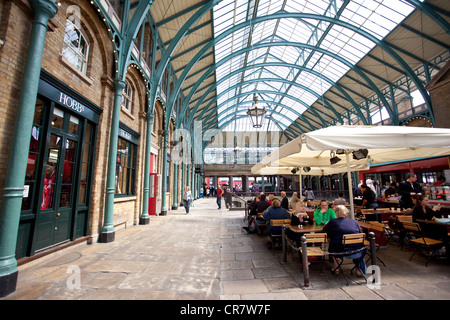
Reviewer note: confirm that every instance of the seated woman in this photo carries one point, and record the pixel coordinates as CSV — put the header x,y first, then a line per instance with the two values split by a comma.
x,y
422,211
323,214
335,229
299,216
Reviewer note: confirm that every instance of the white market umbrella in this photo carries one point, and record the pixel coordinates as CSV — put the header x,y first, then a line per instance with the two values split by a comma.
x,y
295,154
383,143
313,171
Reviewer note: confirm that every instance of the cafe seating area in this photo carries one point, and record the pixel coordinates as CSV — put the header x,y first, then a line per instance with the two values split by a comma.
x,y
394,235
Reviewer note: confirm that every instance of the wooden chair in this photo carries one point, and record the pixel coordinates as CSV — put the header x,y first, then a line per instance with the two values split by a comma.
x,y
422,244
277,223
402,233
319,241
366,211
378,227
396,229
313,203
348,239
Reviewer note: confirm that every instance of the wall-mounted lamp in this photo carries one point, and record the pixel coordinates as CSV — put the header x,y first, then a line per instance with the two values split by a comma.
x,y
2,42
307,169
295,170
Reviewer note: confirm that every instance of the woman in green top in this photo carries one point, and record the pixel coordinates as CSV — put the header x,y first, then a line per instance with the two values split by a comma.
x,y
323,214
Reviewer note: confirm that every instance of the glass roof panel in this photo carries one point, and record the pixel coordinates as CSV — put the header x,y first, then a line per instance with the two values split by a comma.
x,y
377,17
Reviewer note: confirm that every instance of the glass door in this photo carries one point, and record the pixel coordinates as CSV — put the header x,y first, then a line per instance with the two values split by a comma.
x,y
59,184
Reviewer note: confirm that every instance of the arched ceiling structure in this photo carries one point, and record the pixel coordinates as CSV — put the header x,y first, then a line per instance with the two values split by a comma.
x,y
312,63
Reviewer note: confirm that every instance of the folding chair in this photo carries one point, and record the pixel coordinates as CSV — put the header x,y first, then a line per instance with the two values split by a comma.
x,y
319,240
403,234
422,243
348,239
277,223
379,227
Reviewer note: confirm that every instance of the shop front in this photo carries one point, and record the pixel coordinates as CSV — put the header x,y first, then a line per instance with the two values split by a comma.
x,y
56,199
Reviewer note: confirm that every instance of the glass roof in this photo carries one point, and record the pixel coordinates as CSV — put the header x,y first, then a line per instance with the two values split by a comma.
x,y
284,91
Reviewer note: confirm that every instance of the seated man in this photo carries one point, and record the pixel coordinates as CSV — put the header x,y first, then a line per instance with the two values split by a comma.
x,y
335,229
323,214
275,212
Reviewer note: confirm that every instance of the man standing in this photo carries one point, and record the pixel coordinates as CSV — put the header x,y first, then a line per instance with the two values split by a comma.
x,y
409,189
284,200
219,196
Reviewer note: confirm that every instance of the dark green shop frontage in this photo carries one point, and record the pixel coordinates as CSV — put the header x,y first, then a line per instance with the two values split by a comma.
x,y
56,199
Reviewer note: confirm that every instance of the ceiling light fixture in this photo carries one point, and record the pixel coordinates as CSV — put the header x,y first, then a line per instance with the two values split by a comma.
x,y
256,114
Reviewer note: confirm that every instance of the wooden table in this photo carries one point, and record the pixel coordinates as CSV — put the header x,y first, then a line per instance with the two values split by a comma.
x,y
307,228
383,214
379,235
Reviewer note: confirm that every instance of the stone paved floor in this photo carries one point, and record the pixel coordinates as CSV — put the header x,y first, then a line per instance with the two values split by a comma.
x,y
206,256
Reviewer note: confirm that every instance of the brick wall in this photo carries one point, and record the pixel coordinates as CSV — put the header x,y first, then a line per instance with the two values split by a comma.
x,y
96,85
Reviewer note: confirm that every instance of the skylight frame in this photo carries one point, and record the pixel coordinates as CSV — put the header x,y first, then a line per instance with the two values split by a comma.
x,y
338,40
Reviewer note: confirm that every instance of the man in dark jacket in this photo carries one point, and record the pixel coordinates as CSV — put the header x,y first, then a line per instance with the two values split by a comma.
x,y
284,201
409,189
275,212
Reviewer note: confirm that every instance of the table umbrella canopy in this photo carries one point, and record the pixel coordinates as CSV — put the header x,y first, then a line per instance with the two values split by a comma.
x,y
379,137
312,171
295,154
376,144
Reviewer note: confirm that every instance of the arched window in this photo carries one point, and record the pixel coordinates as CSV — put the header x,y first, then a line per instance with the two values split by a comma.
x,y
127,97
75,47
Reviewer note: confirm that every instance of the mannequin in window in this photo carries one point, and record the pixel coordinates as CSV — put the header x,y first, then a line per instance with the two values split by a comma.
x,y
118,170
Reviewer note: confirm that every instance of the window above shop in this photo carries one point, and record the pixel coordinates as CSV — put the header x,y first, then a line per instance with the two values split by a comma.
x,y
75,47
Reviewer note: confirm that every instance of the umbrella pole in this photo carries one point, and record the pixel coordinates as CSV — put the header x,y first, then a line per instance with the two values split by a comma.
x,y
300,185
350,189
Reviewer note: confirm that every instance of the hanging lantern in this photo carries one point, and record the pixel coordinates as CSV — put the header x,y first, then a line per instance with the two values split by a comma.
x,y
256,114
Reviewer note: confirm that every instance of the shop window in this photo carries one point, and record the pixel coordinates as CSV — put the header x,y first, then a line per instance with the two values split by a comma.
x,y
127,98
125,168
33,155
85,165
75,47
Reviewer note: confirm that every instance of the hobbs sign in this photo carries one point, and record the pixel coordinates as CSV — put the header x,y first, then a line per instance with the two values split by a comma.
x,y
71,103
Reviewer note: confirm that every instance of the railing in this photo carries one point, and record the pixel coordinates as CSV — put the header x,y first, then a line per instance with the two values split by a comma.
x,y
304,249
239,202
328,195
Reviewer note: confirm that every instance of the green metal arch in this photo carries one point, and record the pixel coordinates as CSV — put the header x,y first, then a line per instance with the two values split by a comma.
x,y
301,16
185,105
271,102
263,101
213,87
156,78
243,94
282,64
337,57
207,107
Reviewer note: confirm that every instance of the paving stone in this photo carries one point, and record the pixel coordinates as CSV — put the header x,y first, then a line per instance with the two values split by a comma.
x,y
243,287
205,255
236,274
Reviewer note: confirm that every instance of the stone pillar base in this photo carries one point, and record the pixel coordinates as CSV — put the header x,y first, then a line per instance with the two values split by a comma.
x,y
8,284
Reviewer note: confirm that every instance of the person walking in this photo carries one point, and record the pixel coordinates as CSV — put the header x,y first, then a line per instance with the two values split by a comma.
x,y
219,196
187,199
